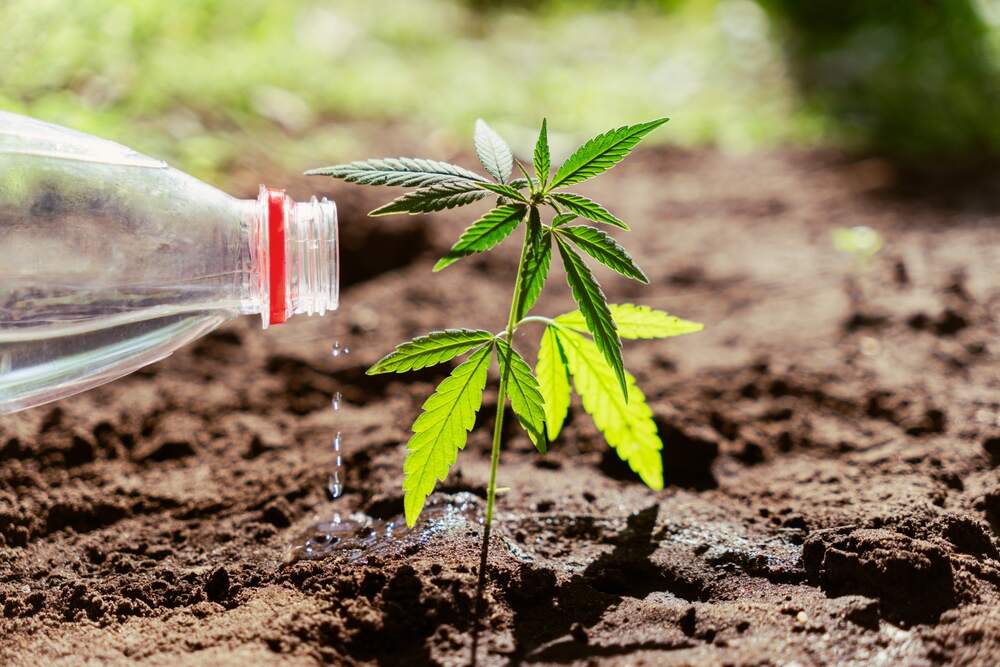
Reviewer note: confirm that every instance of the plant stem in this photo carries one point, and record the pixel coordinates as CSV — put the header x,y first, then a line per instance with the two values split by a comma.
x,y
491,490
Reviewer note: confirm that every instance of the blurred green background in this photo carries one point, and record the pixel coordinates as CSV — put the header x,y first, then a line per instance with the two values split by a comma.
x,y
213,85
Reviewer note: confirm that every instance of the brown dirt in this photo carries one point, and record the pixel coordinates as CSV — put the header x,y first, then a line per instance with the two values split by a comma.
x,y
832,450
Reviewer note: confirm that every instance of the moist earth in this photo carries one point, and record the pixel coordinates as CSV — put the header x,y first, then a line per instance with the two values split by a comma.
x,y
832,443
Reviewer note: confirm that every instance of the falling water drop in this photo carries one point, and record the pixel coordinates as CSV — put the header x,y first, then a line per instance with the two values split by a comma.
x,y
335,350
336,485
337,398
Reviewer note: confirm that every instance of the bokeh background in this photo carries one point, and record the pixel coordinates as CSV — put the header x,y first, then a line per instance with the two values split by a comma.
x,y
213,85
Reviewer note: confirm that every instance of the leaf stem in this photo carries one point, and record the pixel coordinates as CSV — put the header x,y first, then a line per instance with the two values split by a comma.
x,y
537,318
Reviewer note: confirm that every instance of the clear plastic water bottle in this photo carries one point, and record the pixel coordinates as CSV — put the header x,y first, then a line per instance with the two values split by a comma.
x,y
110,260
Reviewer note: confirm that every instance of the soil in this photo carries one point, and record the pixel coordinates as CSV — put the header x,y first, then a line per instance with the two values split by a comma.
x,y
832,443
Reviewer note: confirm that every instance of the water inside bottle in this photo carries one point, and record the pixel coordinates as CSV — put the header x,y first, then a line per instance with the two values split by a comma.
x,y
60,356
112,261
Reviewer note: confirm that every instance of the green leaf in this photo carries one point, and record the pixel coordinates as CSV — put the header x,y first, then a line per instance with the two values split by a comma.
x,y
536,264
522,183
628,426
525,396
442,429
484,234
636,322
543,161
435,348
563,218
398,171
493,152
434,198
605,250
589,297
601,153
553,381
587,208
503,190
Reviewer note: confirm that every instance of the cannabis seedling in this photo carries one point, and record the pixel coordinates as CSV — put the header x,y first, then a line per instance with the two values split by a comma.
x,y
584,345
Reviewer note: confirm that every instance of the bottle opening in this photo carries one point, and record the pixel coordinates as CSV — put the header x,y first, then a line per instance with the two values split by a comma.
x,y
299,267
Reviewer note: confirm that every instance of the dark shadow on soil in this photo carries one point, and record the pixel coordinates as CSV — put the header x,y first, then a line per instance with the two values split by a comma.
x,y
687,459
545,610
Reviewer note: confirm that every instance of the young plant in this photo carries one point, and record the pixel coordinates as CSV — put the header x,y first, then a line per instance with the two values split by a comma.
x,y
583,345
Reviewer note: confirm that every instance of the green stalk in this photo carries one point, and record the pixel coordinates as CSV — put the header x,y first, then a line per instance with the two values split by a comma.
x,y
491,490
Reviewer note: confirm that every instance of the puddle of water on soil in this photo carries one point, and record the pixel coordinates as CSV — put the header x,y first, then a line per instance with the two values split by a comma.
x,y
358,535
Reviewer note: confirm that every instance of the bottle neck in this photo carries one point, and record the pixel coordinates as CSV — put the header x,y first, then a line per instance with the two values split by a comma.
x,y
291,264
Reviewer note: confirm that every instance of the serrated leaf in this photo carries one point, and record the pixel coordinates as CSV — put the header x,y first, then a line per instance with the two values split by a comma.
x,y
397,171
493,152
525,396
594,306
542,159
521,183
563,218
484,234
536,264
601,153
433,198
636,322
435,348
605,250
587,208
442,429
627,426
503,190
553,381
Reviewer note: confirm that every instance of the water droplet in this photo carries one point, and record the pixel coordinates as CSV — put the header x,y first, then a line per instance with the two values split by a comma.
x,y
337,398
336,485
335,350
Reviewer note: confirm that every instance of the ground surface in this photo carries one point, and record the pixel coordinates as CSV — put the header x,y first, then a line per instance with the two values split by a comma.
x,y
832,446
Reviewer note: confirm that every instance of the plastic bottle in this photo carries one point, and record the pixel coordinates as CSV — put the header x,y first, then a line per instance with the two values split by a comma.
x,y
110,260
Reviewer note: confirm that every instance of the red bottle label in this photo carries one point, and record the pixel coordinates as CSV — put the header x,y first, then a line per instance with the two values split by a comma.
x,y
276,250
